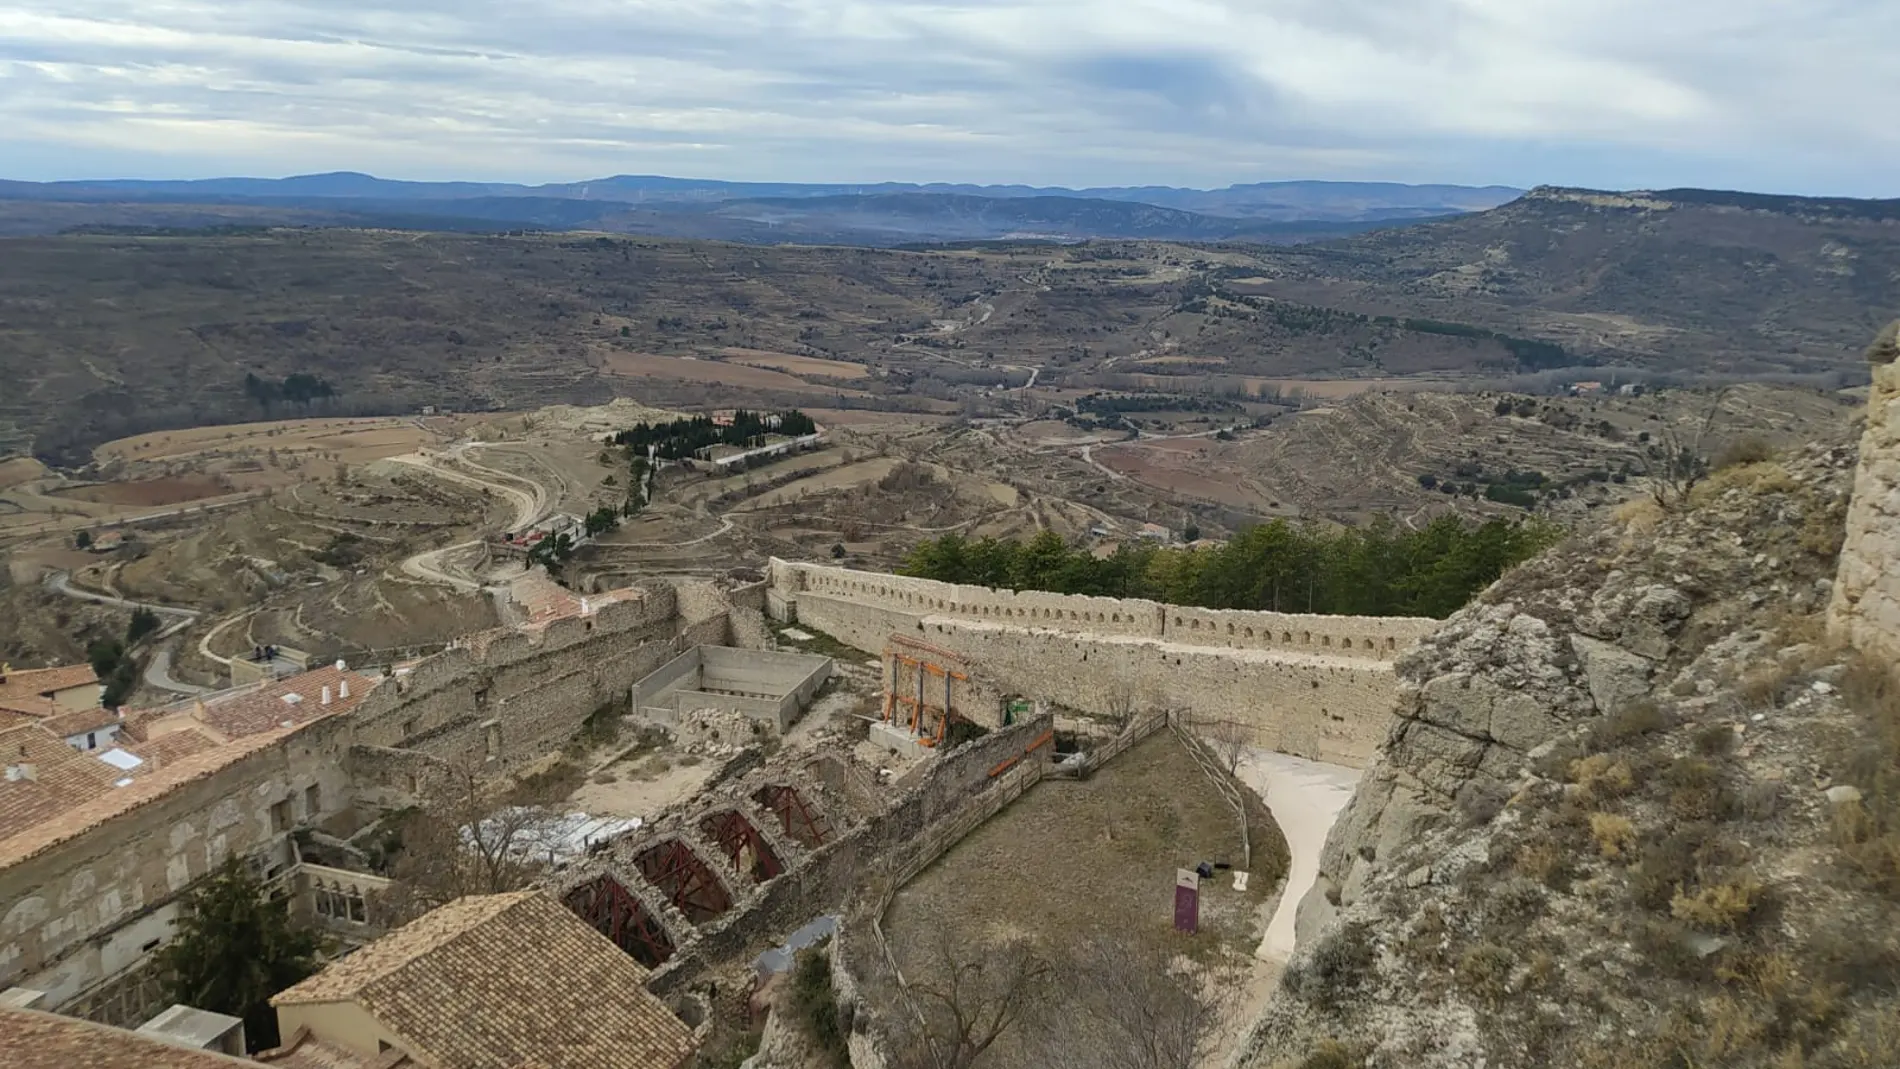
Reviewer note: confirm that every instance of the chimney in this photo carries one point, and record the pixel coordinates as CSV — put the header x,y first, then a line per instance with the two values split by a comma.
x,y
586,609
326,694
340,666
343,690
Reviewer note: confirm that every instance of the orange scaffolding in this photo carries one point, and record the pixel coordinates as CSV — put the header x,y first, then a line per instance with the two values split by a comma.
x,y
917,658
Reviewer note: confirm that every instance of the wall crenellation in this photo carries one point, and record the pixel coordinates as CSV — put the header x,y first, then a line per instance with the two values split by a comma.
x,y
1379,638
1321,687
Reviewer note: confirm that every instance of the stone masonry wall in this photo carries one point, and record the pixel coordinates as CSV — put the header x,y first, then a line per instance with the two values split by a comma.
x,y
1320,687
87,910
1380,638
1866,607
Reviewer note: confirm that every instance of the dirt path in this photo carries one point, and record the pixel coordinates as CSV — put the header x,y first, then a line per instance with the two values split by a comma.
x,y
1306,798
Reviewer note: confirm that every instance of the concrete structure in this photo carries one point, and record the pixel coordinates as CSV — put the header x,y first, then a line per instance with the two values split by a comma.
x,y
30,1039
771,688
198,1030
491,982
1320,687
1866,605
269,662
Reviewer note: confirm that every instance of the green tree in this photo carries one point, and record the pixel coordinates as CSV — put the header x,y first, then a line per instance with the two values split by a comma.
x,y
83,540
144,622
234,949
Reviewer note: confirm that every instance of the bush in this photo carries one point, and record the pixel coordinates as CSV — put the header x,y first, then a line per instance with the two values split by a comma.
x,y
1335,1054
1600,777
1485,971
1338,964
1721,907
1750,450
814,1005
1613,834
1544,861
1631,722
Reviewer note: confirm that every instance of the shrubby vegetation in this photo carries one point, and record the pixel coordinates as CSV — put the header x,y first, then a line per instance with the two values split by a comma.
x,y
1377,570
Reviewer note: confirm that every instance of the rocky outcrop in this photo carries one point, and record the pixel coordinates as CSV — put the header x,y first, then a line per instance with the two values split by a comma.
x,y
1866,608
1658,634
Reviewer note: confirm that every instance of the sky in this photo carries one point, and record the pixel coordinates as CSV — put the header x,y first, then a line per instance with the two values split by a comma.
x,y
1795,96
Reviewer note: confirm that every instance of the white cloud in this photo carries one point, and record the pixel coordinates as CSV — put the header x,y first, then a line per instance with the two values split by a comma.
x,y
1759,93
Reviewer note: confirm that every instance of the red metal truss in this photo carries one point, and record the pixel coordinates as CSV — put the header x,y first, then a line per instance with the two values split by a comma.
x,y
685,880
620,917
743,845
799,821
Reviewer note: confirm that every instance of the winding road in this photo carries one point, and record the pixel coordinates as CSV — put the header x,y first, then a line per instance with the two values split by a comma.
x,y
531,505
158,672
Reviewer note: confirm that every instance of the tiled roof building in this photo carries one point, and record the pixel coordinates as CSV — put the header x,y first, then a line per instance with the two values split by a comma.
x,y
492,982
30,1039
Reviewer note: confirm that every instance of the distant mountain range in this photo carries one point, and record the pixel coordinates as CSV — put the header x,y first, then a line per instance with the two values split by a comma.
x,y
876,214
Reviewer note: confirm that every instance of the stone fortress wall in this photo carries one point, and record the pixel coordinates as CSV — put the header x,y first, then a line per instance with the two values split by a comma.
x,y
1313,686
1866,605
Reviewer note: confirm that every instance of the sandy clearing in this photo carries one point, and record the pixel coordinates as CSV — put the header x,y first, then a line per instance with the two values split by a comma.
x,y
638,790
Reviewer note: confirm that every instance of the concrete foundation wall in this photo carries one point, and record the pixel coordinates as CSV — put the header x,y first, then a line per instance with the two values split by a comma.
x,y
766,686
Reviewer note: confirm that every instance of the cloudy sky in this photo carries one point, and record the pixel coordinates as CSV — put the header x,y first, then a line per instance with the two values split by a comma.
x,y
1789,95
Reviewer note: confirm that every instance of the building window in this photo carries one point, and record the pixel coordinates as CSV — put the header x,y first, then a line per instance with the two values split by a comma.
x,y
312,801
92,740
280,817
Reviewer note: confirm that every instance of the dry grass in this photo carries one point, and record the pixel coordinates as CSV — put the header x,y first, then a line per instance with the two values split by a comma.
x,y
1721,907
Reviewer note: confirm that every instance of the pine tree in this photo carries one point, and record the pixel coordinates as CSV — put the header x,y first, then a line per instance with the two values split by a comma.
x,y
234,949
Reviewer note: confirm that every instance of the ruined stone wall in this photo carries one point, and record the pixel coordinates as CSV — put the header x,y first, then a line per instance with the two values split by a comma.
x,y
1320,687
523,696
823,879
1866,607
88,910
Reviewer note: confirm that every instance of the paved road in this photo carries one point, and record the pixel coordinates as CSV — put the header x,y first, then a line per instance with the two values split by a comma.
x,y
158,674
530,506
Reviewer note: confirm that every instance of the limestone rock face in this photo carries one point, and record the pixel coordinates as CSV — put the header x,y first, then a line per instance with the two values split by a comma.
x,y
1669,611
1614,675
1866,604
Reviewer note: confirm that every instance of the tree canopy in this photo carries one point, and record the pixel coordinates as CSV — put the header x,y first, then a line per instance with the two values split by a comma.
x,y
1381,569
234,949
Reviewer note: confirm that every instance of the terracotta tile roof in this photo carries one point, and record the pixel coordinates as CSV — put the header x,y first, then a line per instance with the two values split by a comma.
x,y
20,842
492,982
80,721
30,1039
39,682
266,707
44,777
167,749
304,1051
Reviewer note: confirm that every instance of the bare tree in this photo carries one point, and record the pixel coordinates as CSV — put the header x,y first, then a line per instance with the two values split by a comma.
x,y
1133,1003
973,996
1230,741
466,839
1682,463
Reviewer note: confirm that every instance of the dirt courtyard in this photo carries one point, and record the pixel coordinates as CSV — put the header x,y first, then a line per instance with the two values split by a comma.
x,y
1073,860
